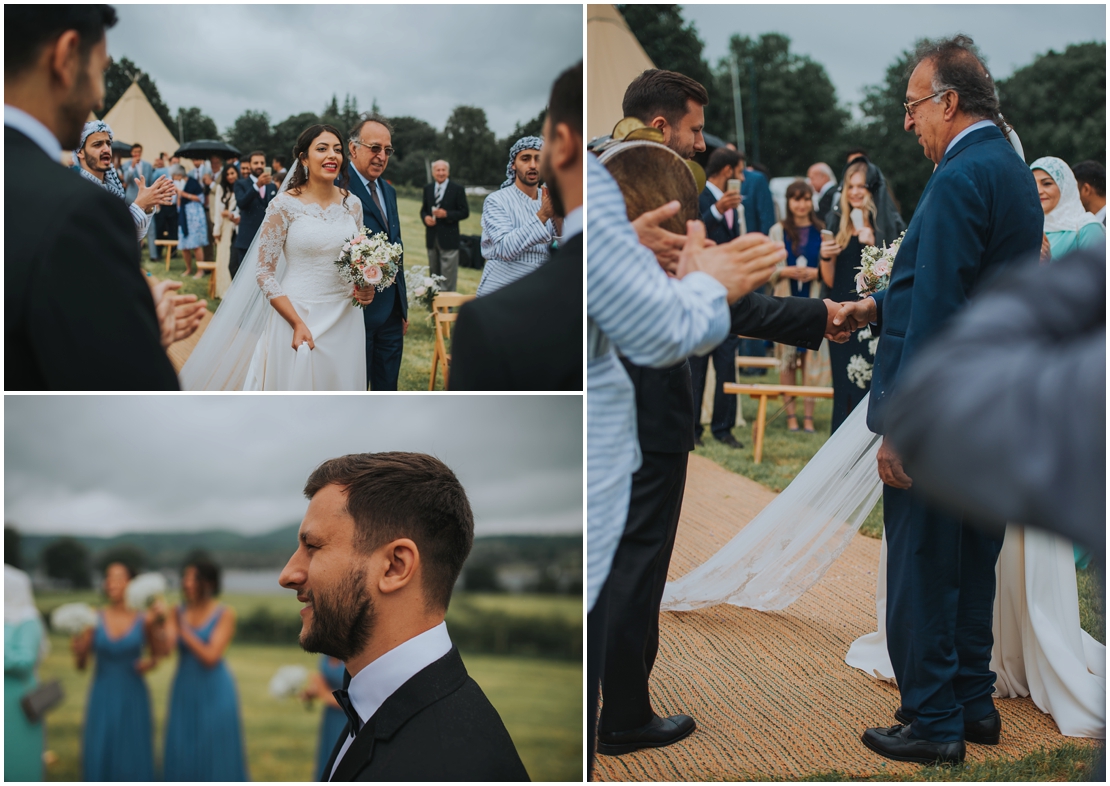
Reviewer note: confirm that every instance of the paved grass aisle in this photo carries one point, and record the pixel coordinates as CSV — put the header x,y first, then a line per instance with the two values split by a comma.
x,y
771,693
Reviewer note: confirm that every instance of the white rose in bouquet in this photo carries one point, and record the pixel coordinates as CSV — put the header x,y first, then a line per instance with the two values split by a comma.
x,y
288,681
144,589
72,618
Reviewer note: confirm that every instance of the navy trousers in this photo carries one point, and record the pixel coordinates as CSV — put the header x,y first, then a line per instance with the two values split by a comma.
x,y
940,600
724,405
384,345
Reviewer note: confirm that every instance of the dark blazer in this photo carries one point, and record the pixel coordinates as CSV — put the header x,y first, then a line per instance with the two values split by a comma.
x,y
252,209
716,229
445,229
78,314
527,335
437,727
759,207
825,203
978,214
665,397
381,307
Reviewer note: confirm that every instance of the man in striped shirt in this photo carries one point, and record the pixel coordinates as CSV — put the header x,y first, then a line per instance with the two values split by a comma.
x,y
518,222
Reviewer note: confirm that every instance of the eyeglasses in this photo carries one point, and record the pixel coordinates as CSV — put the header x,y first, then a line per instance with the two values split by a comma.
x,y
375,148
909,107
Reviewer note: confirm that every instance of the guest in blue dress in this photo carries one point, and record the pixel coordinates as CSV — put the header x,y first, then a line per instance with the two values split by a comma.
x,y
204,740
332,725
192,222
118,742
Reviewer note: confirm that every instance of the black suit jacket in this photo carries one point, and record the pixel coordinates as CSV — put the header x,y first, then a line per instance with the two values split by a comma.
x,y
446,229
437,727
252,209
527,335
716,229
78,314
665,397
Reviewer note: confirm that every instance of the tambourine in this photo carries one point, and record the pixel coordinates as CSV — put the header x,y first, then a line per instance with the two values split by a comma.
x,y
650,175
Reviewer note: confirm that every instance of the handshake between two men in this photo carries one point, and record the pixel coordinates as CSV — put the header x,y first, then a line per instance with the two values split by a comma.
x,y
741,265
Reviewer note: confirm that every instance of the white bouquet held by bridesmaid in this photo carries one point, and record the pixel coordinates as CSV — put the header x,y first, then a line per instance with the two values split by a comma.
x,y
72,619
288,681
369,260
144,589
874,273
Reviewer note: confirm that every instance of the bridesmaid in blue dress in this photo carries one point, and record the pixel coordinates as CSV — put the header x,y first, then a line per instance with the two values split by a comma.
x,y
204,739
320,686
118,740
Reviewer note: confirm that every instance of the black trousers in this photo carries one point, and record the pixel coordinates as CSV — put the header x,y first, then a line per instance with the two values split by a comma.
x,y
596,622
724,404
236,260
635,589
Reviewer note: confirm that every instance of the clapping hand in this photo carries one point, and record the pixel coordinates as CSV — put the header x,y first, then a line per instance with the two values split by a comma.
x,y
160,192
547,210
667,246
741,265
178,315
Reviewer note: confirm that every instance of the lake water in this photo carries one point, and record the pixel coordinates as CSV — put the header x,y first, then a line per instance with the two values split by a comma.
x,y
254,582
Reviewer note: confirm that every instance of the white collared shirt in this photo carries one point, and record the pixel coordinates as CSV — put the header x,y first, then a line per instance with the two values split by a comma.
x,y
572,225
738,216
381,194
440,190
260,189
1101,215
34,130
968,130
381,678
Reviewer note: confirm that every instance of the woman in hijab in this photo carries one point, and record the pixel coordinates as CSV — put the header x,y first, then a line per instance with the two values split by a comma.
x,y
25,646
1067,226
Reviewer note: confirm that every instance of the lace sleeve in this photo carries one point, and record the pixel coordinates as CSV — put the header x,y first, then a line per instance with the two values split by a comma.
x,y
354,207
271,240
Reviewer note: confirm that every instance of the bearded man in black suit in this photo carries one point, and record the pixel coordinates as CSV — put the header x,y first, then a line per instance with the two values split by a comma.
x,y
381,547
502,342
78,312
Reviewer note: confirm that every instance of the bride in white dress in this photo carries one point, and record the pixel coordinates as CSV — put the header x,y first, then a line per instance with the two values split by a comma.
x,y
288,322
1039,649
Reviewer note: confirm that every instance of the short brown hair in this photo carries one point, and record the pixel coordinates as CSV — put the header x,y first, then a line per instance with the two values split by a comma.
x,y
657,92
405,495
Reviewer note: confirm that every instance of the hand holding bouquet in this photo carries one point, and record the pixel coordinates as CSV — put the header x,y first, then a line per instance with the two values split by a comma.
x,y
877,264
288,681
143,590
369,261
72,619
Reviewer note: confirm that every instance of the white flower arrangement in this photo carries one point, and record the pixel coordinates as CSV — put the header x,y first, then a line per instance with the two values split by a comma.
x,y
288,681
144,589
859,371
877,265
72,618
423,285
369,260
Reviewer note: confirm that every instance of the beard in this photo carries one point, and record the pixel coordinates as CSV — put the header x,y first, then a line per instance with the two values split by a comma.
x,y
553,191
342,618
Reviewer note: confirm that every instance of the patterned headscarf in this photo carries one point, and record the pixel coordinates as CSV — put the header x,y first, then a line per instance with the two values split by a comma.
x,y
524,143
111,179
1068,215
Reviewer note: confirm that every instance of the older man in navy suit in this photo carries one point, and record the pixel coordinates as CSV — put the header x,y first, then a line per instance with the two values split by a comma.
x,y
978,215
386,317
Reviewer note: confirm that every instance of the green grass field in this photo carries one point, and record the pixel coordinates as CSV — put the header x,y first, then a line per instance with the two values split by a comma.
x,y
539,700
416,363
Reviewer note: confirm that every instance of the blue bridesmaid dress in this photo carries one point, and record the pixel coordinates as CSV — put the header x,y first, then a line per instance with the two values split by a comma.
x,y
204,741
334,722
118,737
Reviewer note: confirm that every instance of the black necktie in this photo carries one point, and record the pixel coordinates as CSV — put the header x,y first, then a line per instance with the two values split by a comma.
x,y
374,195
352,716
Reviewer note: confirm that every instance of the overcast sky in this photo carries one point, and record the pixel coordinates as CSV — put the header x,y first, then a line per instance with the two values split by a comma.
x,y
416,60
105,465
857,43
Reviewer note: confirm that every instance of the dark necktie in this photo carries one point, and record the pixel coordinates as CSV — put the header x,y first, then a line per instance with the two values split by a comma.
x,y
345,702
374,195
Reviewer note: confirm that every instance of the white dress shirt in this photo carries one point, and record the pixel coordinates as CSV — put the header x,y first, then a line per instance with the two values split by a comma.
x,y
968,130
377,187
1101,215
440,190
381,678
737,215
33,130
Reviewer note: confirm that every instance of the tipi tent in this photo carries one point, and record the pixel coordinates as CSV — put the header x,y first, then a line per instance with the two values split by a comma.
x,y
133,120
616,58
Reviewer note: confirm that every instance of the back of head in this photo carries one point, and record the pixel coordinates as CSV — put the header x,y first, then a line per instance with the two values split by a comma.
x,y
656,93
1093,174
27,28
720,158
959,67
565,104
405,495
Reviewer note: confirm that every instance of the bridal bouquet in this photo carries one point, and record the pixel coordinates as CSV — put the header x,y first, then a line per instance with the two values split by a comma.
x,y
369,260
423,286
144,589
72,618
288,681
874,273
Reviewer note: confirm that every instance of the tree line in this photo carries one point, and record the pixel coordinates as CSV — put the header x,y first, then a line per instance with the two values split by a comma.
x,y
477,156
791,116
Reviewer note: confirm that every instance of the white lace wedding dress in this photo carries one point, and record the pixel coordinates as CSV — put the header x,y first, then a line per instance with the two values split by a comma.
x,y
248,345
1040,651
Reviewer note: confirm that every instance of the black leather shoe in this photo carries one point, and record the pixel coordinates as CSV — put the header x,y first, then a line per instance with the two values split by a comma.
x,y
731,441
896,743
658,733
987,731
698,443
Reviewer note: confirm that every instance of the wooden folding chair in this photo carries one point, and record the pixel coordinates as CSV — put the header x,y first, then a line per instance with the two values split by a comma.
x,y
444,317
211,267
170,246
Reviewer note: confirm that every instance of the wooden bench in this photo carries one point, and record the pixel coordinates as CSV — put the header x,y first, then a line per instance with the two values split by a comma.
x,y
764,392
752,361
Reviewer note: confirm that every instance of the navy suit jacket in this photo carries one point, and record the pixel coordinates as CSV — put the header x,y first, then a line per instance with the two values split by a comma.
x,y
381,307
252,209
716,229
759,208
979,214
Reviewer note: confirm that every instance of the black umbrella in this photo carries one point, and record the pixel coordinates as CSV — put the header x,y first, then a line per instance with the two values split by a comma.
x,y
206,148
121,148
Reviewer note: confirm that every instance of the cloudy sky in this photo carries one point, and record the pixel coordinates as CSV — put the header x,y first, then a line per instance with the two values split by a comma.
x,y
415,60
104,465
857,43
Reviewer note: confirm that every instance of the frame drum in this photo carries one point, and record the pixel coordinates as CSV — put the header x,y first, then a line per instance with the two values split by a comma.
x,y
650,175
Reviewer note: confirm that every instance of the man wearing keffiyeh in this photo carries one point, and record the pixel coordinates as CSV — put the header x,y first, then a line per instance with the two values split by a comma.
x,y
518,221
95,156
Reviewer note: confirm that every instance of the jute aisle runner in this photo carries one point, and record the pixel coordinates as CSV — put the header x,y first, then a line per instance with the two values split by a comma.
x,y
179,351
770,691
